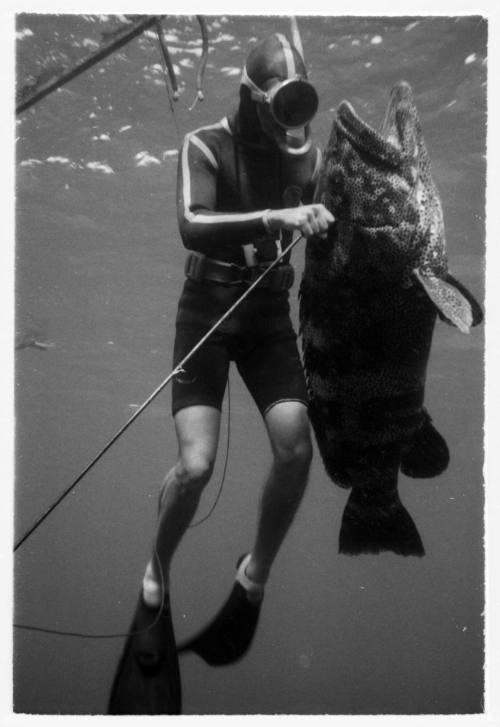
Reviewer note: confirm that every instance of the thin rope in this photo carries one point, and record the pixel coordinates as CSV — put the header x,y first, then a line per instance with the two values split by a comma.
x,y
169,72
120,635
226,460
167,78
176,371
85,635
166,59
203,62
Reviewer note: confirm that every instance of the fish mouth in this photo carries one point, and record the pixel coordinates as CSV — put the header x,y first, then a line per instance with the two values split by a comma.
x,y
399,133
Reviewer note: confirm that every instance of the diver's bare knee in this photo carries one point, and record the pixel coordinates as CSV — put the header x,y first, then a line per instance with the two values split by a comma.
x,y
192,473
294,456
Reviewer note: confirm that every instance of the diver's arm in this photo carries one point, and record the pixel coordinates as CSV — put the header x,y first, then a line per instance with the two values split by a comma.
x,y
200,223
310,219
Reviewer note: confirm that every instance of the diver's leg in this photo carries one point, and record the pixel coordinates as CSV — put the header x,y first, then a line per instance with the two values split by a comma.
x,y
151,645
288,429
197,429
228,637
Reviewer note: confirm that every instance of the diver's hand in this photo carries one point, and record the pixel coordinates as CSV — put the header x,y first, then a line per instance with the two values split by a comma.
x,y
310,219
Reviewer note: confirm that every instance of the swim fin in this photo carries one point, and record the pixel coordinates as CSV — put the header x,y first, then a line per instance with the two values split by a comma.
x,y
228,637
427,455
371,527
147,680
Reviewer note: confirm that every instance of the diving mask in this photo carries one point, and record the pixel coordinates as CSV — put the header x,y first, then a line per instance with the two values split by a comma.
x,y
292,103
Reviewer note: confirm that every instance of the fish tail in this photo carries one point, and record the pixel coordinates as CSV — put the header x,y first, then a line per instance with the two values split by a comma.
x,y
376,527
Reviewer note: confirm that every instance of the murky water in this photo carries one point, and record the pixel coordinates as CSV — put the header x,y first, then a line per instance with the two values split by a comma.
x,y
99,269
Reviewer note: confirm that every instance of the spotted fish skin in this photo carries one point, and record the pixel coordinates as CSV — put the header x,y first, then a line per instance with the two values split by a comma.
x,y
369,298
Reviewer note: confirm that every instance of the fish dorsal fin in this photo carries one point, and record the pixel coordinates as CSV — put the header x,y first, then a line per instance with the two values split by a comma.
x,y
449,301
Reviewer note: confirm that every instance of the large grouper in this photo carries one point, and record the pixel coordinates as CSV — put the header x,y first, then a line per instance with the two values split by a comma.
x,y
369,298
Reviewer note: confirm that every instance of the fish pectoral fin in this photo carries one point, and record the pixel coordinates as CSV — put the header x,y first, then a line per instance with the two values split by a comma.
x,y
449,301
477,312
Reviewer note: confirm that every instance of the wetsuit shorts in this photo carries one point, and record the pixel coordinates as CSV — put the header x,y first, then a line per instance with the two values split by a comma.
x,y
258,337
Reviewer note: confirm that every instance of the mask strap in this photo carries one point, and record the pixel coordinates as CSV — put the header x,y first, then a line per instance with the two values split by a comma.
x,y
257,93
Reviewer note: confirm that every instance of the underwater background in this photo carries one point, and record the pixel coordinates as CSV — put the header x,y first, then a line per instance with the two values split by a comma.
x,y
99,268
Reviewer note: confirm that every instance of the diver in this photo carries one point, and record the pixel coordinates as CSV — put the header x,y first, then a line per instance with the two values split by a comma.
x,y
245,184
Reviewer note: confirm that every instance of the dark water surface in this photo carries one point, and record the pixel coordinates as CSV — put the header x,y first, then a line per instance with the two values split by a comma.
x,y
99,269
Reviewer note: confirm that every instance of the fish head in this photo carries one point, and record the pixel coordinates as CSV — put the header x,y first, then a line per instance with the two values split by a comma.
x,y
401,128
380,181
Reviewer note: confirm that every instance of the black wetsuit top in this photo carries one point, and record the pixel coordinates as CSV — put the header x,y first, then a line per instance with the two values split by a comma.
x,y
225,185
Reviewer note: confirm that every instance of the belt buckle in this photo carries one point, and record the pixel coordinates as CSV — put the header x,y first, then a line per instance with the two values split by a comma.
x,y
238,273
232,274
